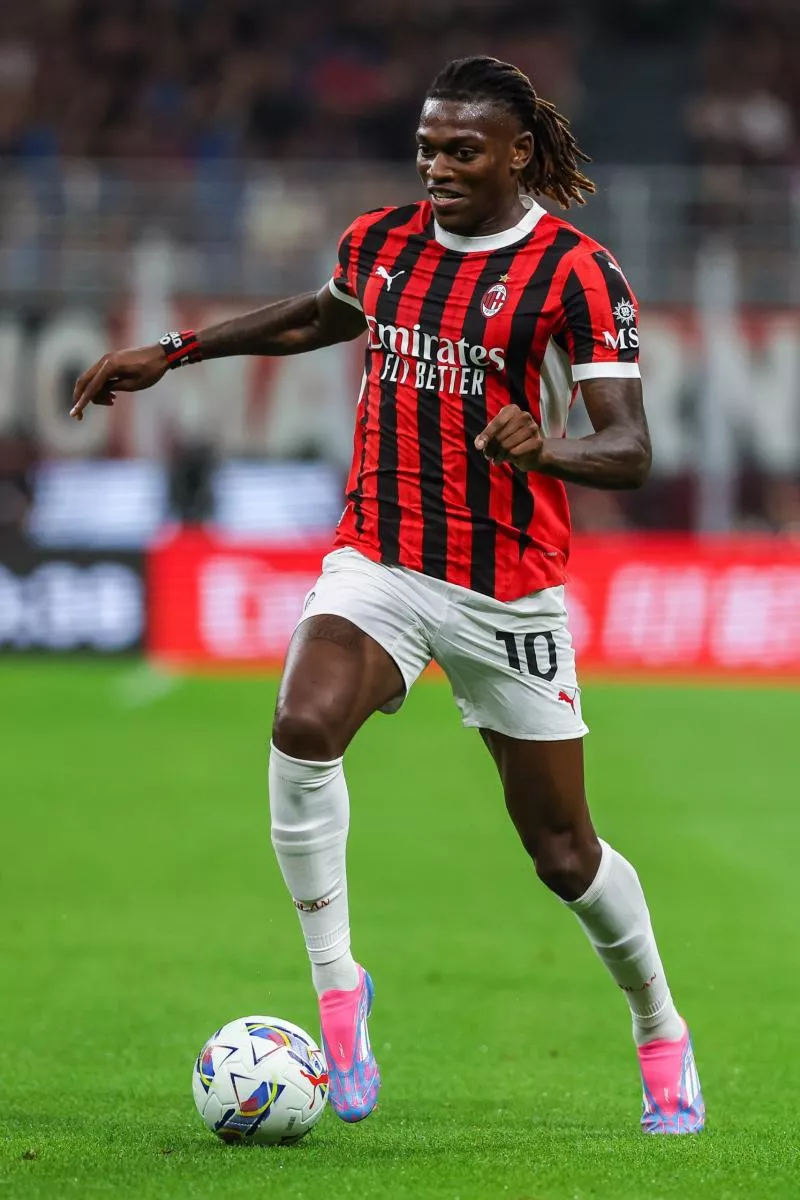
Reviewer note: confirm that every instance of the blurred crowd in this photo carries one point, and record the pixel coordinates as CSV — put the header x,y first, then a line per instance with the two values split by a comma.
x,y
322,80
742,128
208,139
199,78
745,110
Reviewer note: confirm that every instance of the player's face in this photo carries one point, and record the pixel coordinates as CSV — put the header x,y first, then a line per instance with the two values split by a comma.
x,y
469,158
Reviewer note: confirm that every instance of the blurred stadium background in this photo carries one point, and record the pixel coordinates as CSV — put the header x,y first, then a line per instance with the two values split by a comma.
x,y
165,162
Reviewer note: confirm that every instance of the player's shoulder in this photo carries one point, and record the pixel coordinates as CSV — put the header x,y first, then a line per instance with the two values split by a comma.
x,y
413,217
580,248
586,265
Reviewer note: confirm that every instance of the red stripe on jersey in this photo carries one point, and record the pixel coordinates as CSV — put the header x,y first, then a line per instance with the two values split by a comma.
x,y
464,467
542,334
528,337
352,487
504,309
610,307
406,398
449,378
346,268
436,414
500,498
398,458
600,317
453,338
346,275
351,243
568,338
552,525
380,238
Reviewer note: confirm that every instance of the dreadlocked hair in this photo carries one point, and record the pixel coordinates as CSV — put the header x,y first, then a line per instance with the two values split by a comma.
x,y
553,170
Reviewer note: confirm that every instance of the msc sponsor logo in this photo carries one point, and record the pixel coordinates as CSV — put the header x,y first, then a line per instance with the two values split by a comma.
x,y
626,336
625,339
625,312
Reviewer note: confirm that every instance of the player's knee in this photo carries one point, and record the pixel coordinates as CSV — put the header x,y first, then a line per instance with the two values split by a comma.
x,y
306,732
566,861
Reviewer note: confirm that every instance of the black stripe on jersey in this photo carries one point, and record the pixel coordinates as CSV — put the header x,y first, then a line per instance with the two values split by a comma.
x,y
429,427
579,318
345,250
354,496
375,239
388,505
521,338
524,322
619,292
484,526
371,245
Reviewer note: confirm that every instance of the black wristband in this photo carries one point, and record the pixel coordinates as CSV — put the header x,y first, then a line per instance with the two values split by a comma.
x,y
181,347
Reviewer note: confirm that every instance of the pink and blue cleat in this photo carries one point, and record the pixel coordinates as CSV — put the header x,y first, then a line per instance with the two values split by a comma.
x,y
352,1069
673,1100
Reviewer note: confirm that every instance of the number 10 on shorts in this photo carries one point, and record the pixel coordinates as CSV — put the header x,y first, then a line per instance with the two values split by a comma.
x,y
537,647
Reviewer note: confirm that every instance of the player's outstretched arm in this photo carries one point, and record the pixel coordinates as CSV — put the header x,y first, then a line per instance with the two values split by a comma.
x,y
616,456
290,326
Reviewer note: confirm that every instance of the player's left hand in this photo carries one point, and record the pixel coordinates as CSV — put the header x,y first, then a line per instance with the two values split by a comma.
x,y
512,436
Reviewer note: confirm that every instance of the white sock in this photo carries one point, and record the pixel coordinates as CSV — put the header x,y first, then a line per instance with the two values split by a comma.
x,y
310,811
614,914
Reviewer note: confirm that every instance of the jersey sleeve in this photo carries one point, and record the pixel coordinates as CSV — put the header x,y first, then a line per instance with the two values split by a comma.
x,y
600,320
342,284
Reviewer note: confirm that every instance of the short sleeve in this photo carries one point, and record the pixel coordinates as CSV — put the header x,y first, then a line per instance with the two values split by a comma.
x,y
600,322
343,281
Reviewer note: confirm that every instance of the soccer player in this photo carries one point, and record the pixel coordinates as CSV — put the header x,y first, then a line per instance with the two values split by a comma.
x,y
483,314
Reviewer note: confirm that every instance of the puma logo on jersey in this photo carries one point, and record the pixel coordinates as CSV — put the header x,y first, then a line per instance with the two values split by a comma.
x,y
384,274
612,266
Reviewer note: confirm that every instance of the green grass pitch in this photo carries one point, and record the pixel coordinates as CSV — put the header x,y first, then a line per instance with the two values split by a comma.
x,y
142,908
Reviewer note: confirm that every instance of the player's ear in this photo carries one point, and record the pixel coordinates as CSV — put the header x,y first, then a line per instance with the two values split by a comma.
x,y
521,151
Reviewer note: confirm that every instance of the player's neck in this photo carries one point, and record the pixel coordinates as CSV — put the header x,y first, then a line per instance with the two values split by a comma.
x,y
505,218
516,224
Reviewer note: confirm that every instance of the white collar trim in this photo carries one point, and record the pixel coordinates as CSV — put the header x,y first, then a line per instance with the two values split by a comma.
x,y
492,241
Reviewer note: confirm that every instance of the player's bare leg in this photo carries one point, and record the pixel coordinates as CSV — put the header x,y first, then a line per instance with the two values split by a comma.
x,y
334,679
544,790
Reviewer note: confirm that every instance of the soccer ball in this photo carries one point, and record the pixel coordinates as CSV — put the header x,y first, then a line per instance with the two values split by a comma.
x,y
260,1079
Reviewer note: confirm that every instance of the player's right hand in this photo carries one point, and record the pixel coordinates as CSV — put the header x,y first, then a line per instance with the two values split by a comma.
x,y
121,371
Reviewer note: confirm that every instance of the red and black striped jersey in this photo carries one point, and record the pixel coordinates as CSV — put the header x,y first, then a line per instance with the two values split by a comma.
x,y
458,328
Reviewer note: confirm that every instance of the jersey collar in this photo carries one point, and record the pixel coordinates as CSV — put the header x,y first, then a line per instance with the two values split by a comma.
x,y
492,241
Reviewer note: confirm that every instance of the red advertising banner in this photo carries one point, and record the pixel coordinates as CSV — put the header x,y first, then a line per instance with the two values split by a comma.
x,y
655,604
685,605
213,601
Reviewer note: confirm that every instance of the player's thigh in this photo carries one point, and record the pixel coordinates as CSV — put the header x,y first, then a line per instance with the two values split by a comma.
x,y
359,647
334,678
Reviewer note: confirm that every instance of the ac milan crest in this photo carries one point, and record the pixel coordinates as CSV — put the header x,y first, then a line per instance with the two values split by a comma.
x,y
494,299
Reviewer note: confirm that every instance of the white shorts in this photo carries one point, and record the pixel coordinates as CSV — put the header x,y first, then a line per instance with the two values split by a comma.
x,y
510,664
